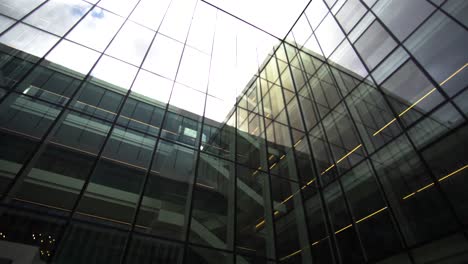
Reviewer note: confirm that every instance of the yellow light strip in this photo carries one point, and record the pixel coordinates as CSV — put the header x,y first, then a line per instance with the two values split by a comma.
x,y
329,168
409,195
420,99
384,127
453,74
344,228
417,102
452,173
369,216
342,158
272,166
349,153
299,141
206,186
271,157
290,255
282,157
431,184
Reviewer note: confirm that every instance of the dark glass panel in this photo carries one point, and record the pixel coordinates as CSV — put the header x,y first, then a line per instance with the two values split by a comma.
x,y
411,193
164,207
213,203
254,226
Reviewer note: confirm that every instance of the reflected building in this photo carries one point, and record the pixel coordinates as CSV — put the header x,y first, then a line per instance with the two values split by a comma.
x,y
343,144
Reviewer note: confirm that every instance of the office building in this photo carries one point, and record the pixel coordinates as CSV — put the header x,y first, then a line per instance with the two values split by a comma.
x,y
177,131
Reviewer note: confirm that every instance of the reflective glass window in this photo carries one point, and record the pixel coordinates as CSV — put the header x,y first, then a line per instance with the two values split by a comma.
x,y
58,16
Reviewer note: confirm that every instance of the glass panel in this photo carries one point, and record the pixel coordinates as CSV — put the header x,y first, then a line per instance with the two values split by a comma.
x,y
131,43
73,57
292,242
322,156
97,101
62,169
435,125
346,59
329,35
389,65
54,16
448,162
250,149
150,13
186,99
202,28
121,75
177,19
18,8
316,12
23,121
350,14
182,127
374,118
343,139
29,40
254,227
408,189
102,244
199,255
96,29
320,241
213,203
141,116
348,243
371,214
194,69
5,23
152,88
49,85
164,207
120,7
362,26
116,182
457,8
148,250
446,60
374,45
324,91
410,93
12,68
164,56
402,16
220,136
462,101
35,239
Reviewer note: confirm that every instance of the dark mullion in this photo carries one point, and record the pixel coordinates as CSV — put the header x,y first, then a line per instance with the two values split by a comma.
x,y
381,189
440,8
400,122
347,205
191,194
39,148
141,194
18,21
269,212
416,62
333,243
308,249
67,224
427,168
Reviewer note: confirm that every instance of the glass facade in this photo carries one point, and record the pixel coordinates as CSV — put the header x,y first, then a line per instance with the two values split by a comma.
x,y
175,132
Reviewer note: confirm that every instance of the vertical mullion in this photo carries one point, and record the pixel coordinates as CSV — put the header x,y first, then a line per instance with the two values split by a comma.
x,y
293,154
333,243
